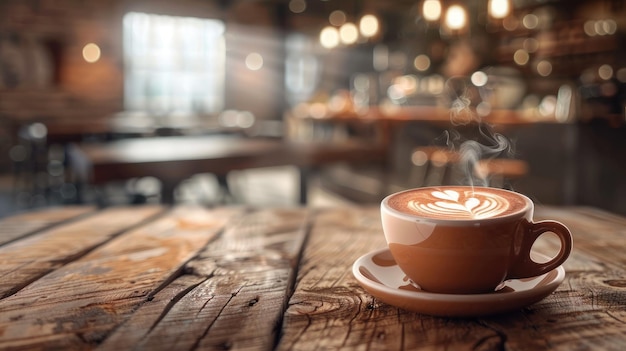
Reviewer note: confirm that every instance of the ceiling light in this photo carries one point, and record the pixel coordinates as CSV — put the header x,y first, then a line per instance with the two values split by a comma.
x,y
456,17
499,8
368,25
348,33
431,10
329,37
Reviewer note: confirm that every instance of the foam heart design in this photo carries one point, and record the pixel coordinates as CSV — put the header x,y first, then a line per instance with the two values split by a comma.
x,y
450,195
471,203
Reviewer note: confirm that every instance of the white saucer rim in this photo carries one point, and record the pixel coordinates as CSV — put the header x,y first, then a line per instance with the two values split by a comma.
x,y
425,295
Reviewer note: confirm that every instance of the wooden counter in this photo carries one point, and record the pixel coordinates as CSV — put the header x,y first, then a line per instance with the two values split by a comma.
x,y
183,278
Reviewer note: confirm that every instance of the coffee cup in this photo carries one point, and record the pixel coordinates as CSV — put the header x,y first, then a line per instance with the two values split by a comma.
x,y
466,240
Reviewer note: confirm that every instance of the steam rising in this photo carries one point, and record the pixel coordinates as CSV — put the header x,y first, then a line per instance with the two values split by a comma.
x,y
487,144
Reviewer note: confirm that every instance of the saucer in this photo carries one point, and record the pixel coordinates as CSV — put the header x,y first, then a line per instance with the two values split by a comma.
x,y
378,273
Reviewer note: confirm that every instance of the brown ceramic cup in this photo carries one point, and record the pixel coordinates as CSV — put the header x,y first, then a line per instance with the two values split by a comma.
x,y
464,240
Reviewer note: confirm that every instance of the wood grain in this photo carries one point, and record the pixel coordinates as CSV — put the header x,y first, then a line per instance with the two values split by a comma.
x,y
107,284
187,278
330,311
232,294
19,225
26,260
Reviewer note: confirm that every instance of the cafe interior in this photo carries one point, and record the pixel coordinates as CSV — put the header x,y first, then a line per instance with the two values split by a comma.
x,y
338,102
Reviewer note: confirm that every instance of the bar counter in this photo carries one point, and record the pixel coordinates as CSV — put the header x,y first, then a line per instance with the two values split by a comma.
x,y
184,278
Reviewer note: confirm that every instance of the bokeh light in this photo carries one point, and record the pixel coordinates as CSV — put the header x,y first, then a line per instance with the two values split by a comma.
x,y
499,8
544,68
91,53
421,63
329,37
337,18
348,33
605,72
297,6
368,26
254,61
456,17
479,78
521,57
431,10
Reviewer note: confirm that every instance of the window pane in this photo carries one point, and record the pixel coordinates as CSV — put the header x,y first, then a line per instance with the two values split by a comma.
x,y
173,64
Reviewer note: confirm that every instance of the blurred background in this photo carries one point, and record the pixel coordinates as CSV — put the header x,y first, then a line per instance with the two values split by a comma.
x,y
537,87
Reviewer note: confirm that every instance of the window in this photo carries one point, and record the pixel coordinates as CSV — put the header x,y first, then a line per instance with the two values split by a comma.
x,y
173,64
301,69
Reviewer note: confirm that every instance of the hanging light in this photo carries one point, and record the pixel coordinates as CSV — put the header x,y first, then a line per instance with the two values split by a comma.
x,y
348,33
431,10
456,17
368,26
329,37
499,8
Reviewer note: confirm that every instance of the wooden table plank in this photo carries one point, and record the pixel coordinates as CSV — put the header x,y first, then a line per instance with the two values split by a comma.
x,y
232,294
22,224
328,302
589,309
24,261
235,278
330,311
107,284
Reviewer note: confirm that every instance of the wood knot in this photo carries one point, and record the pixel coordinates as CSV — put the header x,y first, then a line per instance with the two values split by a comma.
x,y
616,283
226,345
253,302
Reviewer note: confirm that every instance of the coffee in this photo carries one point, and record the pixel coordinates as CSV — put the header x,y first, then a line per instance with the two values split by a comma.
x,y
457,203
466,240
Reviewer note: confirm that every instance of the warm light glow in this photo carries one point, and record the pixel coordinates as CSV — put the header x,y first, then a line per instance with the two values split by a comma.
x,y
337,18
329,37
456,17
91,52
479,78
297,6
521,57
601,27
318,110
421,63
589,28
510,23
368,26
348,33
610,26
254,61
499,8
431,10
544,68
530,21
605,72
407,83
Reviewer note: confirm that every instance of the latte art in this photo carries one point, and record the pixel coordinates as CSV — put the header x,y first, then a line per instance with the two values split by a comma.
x,y
457,202
451,203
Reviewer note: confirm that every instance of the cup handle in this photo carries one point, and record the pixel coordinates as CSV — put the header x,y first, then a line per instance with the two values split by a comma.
x,y
525,267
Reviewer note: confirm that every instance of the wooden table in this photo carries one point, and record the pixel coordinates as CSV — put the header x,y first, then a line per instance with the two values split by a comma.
x,y
182,278
173,159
